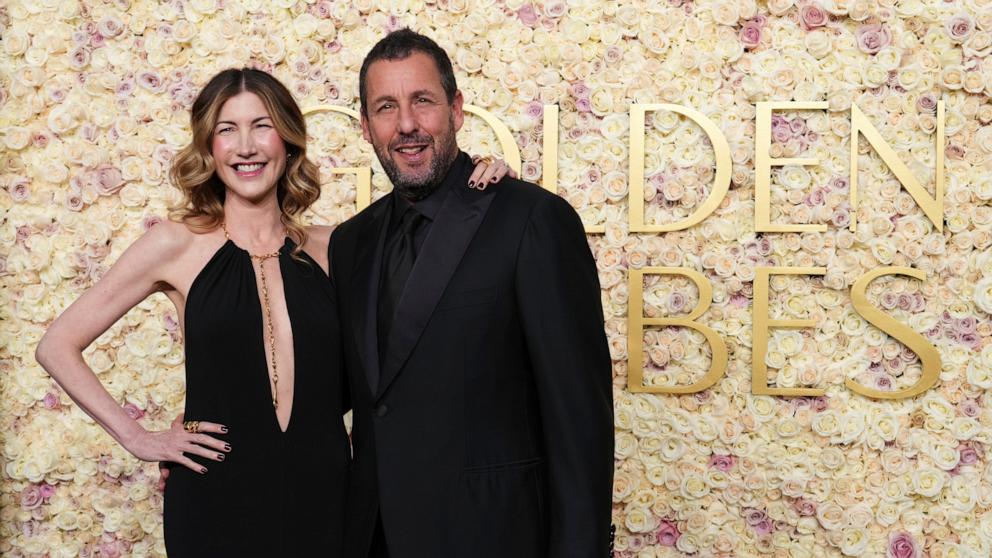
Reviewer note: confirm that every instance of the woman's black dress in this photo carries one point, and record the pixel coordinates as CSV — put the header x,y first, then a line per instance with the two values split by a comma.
x,y
276,494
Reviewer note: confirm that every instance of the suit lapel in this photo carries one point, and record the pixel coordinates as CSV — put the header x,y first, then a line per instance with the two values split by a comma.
x,y
366,291
450,234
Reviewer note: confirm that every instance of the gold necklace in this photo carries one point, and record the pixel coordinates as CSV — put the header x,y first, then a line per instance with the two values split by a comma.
x,y
260,258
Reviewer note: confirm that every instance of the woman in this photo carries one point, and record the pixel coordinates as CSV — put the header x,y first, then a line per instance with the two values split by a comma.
x,y
263,395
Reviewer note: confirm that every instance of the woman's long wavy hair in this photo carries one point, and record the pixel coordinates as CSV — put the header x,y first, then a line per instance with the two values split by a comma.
x,y
193,168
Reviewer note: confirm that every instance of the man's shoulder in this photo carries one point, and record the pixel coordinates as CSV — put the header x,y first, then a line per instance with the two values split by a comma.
x,y
359,220
529,197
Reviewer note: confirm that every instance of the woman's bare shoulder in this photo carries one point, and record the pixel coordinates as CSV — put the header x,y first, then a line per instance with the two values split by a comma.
x,y
165,239
318,237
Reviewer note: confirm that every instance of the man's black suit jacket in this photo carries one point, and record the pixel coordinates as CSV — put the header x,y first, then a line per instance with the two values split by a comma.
x,y
491,432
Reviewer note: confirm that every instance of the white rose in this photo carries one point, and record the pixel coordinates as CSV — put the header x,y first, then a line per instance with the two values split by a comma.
x,y
983,295
928,482
855,541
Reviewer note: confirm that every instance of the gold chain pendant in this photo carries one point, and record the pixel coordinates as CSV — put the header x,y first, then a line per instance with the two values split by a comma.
x,y
260,258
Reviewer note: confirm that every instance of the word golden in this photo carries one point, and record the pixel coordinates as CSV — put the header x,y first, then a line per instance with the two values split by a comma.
x,y
933,208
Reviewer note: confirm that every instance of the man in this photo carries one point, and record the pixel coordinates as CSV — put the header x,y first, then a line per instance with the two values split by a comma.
x,y
479,368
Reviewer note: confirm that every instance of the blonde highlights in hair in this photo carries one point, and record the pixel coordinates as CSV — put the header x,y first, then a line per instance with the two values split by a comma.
x,y
193,168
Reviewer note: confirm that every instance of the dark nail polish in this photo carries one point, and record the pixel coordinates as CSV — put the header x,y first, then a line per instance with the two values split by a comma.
x,y
203,469
223,429
493,179
227,447
220,456
471,184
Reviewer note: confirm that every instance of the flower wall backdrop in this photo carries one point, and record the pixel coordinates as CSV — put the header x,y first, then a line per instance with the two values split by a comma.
x,y
94,99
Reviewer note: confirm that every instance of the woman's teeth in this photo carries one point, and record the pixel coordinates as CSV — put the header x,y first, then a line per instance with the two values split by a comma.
x,y
248,167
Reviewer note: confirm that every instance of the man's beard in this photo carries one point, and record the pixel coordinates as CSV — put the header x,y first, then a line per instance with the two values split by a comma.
x,y
417,188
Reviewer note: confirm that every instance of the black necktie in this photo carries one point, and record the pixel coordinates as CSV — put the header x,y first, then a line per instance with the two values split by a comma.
x,y
397,261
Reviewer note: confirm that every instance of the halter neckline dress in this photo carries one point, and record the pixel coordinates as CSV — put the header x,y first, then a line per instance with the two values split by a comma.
x,y
276,494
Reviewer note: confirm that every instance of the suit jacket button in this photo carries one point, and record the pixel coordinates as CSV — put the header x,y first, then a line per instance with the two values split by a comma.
x,y
381,411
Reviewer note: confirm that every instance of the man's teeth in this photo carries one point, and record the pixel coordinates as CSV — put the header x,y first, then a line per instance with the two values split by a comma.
x,y
248,168
411,150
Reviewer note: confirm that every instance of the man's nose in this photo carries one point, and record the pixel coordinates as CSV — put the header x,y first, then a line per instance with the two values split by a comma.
x,y
407,122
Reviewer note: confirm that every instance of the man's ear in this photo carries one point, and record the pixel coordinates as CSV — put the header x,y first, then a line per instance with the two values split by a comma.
x,y
365,126
458,114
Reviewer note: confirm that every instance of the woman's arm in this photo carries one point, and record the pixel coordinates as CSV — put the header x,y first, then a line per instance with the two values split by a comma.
x,y
137,274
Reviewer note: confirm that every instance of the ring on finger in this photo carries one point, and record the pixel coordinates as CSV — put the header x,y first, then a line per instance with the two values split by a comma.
x,y
191,426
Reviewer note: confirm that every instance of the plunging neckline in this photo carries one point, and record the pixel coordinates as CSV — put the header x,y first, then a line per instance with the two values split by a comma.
x,y
292,328
259,311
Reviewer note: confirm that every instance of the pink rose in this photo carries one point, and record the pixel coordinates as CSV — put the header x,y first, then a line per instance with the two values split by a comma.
x,y
125,87
50,401
902,545
110,549
804,507
821,403
133,411
970,408
73,201
966,325
324,9
969,455
555,9
613,54
150,221
754,516
579,90
971,340
960,27
676,302
722,462
18,189
798,126
535,110
527,15
883,382
47,490
812,16
873,38
108,180
30,497
151,81
668,534
764,527
750,34
841,218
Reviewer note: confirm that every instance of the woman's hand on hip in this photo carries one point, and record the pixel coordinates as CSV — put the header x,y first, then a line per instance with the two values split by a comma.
x,y
173,445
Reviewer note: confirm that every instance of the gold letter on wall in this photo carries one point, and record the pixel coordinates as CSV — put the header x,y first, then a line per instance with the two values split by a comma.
x,y
636,194
932,207
759,336
363,197
763,167
637,321
511,153
928,353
